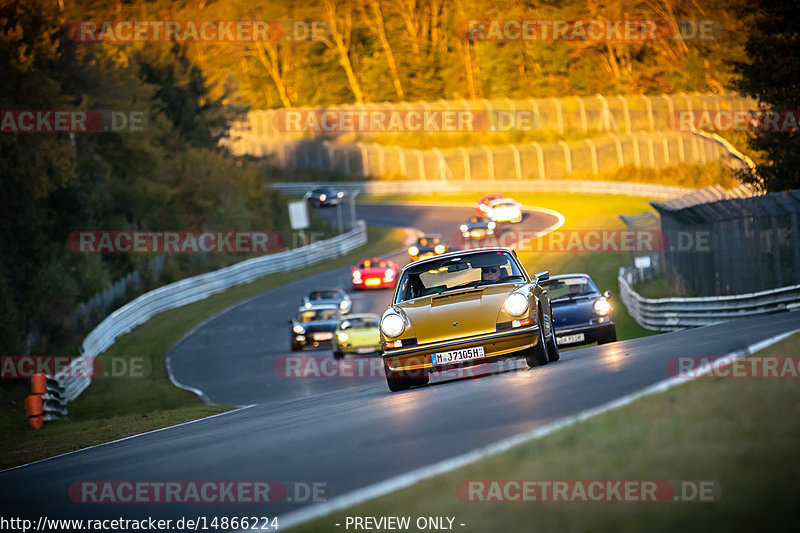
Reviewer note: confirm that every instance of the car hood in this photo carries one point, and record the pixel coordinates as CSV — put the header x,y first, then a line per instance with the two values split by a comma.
x,y
373,271
325,302
363,337
572,312
457,314
319,325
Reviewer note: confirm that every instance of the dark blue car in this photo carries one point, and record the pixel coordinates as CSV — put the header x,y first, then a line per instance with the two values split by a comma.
x,y
581,314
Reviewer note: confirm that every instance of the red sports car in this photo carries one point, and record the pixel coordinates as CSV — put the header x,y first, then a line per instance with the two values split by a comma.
x,y
375,273
483,204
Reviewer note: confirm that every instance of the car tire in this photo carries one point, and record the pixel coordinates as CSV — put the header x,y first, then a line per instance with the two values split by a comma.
x,y
295,347
537,355
553,353
338,355
609,337
400,381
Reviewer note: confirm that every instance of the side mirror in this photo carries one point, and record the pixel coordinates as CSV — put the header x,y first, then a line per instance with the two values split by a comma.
x,y
607,294
544,275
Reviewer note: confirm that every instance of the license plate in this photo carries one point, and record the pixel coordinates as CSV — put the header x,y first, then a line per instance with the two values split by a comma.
x,y
373,281
365,350
324,336
570,339
455,356
478,233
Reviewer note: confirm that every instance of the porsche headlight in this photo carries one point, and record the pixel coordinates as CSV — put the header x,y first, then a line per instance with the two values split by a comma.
x,y
389,274
463,227
344,304
339,194
393,325
439,248
307,305
299,329
516,304
356,274
492,224
343,337
322,197
413,250
602,307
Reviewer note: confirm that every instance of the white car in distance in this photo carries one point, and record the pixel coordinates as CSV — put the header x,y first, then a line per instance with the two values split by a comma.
x,y
504,210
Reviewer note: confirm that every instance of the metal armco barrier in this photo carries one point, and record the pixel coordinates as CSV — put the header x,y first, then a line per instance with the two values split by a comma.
x,y
450,187
670,314
192,290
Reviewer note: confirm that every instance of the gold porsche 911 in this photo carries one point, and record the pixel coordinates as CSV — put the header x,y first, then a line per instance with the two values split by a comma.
x,y
465,308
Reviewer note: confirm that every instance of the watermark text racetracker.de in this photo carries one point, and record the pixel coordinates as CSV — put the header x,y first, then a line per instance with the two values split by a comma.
x,y
756,120
587,491
72,121
175,242
207,31
592,241
198,491
582,30
74,367
756,366
421,120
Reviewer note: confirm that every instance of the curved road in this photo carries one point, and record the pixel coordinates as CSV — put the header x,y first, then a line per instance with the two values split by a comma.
x,y
350,432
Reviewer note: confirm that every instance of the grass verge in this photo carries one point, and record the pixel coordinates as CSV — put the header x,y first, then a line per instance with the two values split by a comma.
x,y
113,408
740,433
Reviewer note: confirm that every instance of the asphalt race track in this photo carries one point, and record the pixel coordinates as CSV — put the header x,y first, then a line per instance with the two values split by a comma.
x,y
345,432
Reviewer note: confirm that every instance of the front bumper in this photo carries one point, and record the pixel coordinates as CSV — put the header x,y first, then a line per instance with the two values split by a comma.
x,y
368,283
591,333
495,345
307,339
358,350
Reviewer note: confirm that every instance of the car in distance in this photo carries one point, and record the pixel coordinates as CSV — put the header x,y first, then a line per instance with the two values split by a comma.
x,y
427,246
504,210
321,196
331,296
477,228
313,326
465,308
581,314
357,334
483,204
374,273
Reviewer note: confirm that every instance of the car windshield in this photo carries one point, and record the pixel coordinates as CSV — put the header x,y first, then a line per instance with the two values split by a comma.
x,y
374,264
504,203
324,295
570,287
428,241
469,270
476,220
359,323
312,315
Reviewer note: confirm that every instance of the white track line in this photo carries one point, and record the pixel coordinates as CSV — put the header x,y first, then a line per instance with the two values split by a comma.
x,y
388,486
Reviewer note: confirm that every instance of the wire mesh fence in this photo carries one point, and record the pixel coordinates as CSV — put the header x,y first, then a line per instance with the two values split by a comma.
x,y
607,133
735,245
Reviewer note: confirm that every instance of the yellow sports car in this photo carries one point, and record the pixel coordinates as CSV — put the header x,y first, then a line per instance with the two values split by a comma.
x,y
465,308
357,334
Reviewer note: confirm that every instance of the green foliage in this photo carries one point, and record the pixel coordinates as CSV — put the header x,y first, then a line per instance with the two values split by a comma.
x,y
170,175
772,76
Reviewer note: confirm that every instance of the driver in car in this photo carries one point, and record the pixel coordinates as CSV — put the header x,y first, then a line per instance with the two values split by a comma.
x,y
490,273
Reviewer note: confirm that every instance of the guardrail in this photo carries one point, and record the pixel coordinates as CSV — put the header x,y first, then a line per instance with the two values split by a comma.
x,y
192,290
444,187
670,314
